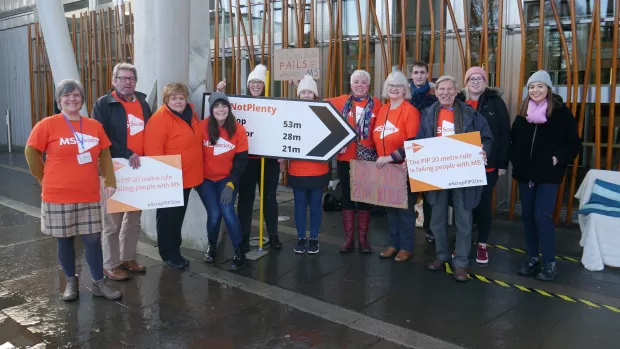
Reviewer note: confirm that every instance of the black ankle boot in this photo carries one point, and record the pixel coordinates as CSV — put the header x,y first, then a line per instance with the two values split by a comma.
x,y
210,253
274,241
548,272
238,260
246,243
530,267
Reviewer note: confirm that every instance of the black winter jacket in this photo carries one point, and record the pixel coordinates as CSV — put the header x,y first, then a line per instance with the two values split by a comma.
x,y
111,114
533,146
492,107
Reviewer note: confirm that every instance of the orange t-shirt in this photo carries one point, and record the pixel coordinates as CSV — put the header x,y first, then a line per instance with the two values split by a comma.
x,y
168,134
65,181
307,168
394,127
474,104
135,125
357,108
218,159
445,123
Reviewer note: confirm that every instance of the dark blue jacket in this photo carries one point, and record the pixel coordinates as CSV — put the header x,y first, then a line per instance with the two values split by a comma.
x,y
111,114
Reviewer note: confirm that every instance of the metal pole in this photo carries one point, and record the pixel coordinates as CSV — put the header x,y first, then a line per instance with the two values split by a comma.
x,y
8,130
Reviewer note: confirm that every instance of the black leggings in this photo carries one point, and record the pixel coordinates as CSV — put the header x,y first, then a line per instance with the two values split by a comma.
x,y
483,213
247,194
344,168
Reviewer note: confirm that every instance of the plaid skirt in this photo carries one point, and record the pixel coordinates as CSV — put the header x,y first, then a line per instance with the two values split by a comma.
x,y
66,220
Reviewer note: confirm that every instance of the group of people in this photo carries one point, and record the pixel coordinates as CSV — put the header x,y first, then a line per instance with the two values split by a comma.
x,y
76,171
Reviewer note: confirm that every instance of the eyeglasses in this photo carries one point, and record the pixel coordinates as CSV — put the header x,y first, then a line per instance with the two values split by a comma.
x,y
256,82
478,80
390,86
125,79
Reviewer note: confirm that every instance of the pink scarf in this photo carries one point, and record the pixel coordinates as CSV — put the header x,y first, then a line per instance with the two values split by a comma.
x,y
537,113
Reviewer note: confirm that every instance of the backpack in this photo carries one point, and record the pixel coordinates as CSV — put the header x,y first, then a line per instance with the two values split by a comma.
x,y
331,199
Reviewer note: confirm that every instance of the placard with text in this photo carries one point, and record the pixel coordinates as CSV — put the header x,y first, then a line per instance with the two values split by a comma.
x,y
445,162
294,63
386,186
157,183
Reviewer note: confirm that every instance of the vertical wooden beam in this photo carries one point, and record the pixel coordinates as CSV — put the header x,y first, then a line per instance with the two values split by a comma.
x,y
117,37
560,193
123,30
285,40
106,53
31,75
39,89
380,42
458,37
573,28
418,33
498,55
109,44
233,78
467,36
612,94
251,50
216,46
90,89
513,190
237,64
73,35
330,51
541,34
359,34
484,43
82,57
597,106
103,83
442,35
130,33
340,49
403,36
388,32
312,35
582,113
270,45
368,36
431,59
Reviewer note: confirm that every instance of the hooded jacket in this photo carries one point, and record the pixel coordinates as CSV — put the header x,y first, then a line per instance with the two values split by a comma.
x,y
533,146
493,108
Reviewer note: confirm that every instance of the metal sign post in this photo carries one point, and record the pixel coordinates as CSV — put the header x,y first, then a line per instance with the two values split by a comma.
x,y
8,131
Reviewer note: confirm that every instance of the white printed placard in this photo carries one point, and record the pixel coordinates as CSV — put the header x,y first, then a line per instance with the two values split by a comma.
x,y
445,162
157,183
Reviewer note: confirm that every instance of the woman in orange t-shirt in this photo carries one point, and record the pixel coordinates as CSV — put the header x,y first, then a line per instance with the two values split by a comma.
x,y
308,179
225,156
397,121
174,130
75,148
360,109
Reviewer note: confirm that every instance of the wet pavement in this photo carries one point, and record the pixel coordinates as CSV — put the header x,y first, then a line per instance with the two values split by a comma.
x,y
285,300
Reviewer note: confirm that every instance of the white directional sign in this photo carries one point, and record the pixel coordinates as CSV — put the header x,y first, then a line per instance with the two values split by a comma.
x,y
290,129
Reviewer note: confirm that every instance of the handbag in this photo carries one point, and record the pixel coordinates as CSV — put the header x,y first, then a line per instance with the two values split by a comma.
x,y
364,153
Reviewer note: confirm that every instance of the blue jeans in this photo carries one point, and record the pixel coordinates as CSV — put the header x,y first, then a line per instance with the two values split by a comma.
x,y
402,227
537,205
303,199
210,193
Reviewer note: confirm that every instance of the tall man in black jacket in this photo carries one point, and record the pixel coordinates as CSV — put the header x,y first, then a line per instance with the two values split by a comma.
x,y
123,112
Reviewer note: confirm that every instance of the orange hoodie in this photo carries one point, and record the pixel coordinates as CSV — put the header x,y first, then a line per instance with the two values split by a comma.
x,y
353,116
167,134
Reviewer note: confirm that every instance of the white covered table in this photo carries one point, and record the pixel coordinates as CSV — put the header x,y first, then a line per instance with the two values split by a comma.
x,y
600,234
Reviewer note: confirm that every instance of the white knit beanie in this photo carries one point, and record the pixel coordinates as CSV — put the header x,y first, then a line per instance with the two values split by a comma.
x,y
259,73
307,83
540,76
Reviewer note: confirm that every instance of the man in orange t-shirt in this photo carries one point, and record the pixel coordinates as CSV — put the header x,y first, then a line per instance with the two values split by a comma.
x,y
123,112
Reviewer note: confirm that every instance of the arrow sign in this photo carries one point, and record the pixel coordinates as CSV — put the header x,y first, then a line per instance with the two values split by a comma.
x,y
290,129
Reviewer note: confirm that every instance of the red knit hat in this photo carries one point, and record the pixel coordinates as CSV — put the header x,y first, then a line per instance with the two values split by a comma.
x,y
476,70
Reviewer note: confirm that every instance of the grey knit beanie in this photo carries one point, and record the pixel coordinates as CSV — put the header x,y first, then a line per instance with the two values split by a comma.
x,y
540,76
216,96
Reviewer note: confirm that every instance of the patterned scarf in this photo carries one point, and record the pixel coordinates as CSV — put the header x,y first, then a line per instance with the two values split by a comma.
x,y
418,93
363,126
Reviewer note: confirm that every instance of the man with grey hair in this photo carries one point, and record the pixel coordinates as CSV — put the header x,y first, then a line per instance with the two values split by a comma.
x,y
447,117
123,112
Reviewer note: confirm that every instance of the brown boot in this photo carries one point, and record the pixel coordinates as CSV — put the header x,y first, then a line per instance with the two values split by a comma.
x,y
402,256
116,273
389,252
348,217
133,266
436,265
460,274
363,218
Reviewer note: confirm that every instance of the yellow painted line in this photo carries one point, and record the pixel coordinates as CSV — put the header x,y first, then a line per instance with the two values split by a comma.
x,y
571,259
482,278
522,288
518,250
614,309
589,303
501,283
566,298
543,292
449,269
502,247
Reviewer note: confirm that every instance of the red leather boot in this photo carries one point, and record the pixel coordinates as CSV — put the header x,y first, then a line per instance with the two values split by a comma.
x,y
348,217
363,218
